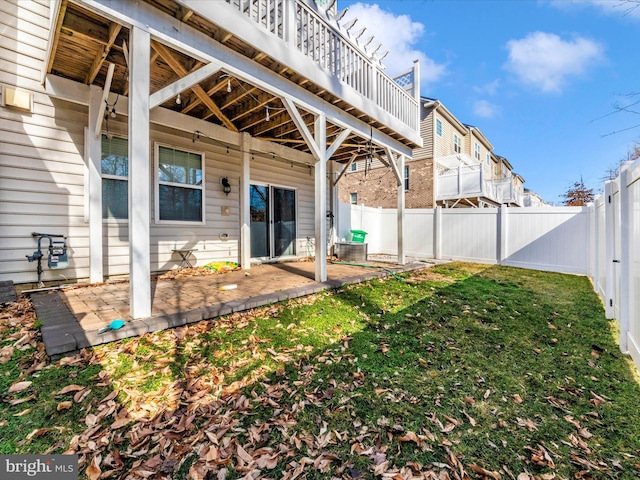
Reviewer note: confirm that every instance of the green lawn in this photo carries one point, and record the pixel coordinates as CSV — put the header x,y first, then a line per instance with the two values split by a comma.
x,y
458,371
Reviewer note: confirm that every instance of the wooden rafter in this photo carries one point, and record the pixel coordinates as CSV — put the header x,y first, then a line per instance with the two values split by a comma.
x,y
179,69
56,37
114,30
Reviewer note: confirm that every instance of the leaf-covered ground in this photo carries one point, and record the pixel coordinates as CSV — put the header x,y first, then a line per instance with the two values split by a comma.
x,y
458,372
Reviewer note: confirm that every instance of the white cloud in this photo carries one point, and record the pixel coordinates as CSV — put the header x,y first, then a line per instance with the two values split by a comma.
x,y
546,61
398,34
490,88
485,109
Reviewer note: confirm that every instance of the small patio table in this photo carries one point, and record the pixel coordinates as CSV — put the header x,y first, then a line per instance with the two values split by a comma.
x,y
185,254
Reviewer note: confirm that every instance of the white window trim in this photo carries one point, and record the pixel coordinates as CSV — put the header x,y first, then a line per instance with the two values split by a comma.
x,y
438,122
157,183
406,178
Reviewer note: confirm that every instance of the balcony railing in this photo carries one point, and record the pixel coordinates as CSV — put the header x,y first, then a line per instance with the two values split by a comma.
x,y
461,182
506,192
303,28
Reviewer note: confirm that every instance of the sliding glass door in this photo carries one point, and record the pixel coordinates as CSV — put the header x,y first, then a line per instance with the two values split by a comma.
x,y
273,221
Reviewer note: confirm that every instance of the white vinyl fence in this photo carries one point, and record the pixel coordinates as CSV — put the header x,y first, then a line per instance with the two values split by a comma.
x,y
601,240
615,262
546,238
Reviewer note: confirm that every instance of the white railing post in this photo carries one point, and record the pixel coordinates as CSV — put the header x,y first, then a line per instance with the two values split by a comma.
x,y
437,233
400,213
290,27
609,226
625,256
459,180
502,234
591,208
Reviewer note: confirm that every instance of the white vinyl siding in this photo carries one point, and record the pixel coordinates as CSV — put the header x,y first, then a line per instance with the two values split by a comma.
x,y
41,154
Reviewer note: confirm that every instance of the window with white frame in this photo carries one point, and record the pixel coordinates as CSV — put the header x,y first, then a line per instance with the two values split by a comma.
x,y
115,177
353,198
180,185
354,166
406,177
457,143
488,159
476,149
439,127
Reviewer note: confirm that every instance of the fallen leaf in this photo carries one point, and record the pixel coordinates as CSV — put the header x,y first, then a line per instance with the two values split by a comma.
x,y
485,472
530,424
64,406
409,437
120,422
18,401
517,398
471,420
68,388
20,386
22,413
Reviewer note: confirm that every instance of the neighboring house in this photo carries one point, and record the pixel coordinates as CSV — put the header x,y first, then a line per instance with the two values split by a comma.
x,y
136,129
532,199
455,167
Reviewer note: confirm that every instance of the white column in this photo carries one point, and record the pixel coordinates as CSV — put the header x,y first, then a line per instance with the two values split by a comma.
x,y
320,134
245,202
437,233
94,165
401,253
139,173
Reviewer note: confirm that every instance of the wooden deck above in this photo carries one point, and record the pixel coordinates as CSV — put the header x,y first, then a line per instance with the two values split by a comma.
x,y
304,45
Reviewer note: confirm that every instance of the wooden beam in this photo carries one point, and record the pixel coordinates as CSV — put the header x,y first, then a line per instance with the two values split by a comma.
x,y
337,142
114,30
179,69
105,95
302,128
183,83
54,35
344,170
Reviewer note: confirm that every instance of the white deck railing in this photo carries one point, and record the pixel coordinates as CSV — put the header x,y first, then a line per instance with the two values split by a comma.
x,y
468,181
300,25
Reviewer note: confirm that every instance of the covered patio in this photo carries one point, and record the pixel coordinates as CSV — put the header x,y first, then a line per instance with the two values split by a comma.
x,y
71,317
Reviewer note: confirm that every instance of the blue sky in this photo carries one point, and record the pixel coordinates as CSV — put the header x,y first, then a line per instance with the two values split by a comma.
x,y
547,82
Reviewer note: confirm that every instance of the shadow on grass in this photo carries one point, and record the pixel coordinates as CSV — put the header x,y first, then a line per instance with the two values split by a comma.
x,y
458,366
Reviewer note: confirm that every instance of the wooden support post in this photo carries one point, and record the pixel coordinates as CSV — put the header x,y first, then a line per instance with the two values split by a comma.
x,y
401,252
139,174
245,202
94,180
320,134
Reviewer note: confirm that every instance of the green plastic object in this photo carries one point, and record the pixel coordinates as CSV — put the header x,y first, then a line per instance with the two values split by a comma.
x,y
358,236
114,325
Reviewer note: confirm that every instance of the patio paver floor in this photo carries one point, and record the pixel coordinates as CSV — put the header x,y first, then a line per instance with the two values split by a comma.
x,y
71,316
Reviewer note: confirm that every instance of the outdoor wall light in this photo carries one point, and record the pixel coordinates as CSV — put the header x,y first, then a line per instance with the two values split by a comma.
x,y
226,186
